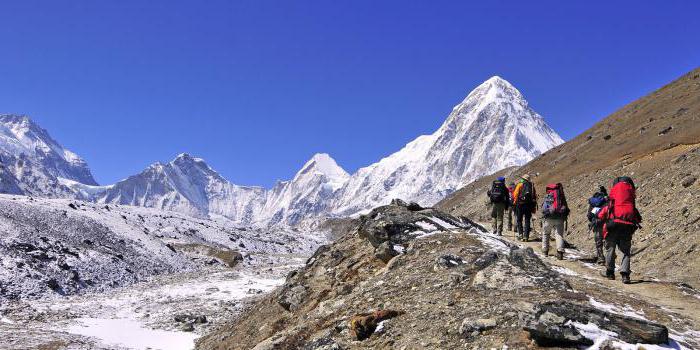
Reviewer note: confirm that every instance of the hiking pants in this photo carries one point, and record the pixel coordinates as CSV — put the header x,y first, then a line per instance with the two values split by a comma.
x,y
599,242
621,238
509,214
523,212
549,225
497,213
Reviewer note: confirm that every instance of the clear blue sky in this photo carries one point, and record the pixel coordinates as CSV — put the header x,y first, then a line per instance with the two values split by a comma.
x,y
256,87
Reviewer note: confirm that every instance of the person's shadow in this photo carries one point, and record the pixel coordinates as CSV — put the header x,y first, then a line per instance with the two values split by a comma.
x,y
641,281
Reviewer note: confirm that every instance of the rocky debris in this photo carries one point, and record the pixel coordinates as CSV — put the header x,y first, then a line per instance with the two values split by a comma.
x,y
447,261
474,327
412,206
363,325
291,297
521,268
189,318
548,335
385,252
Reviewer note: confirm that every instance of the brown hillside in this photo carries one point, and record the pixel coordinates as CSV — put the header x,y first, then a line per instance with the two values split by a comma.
x,y
656,140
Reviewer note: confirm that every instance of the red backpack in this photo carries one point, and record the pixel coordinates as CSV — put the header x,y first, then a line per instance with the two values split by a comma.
x,y
622,208
554,205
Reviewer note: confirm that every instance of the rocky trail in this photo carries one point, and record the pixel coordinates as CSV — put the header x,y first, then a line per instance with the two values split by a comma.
x,y
412,278
675,297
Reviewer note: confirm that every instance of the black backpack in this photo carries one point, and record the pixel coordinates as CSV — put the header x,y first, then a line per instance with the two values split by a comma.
x,y
626,179
498,192
525,196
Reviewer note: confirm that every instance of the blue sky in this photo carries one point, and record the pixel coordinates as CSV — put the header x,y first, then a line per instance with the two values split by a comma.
x,y
257,87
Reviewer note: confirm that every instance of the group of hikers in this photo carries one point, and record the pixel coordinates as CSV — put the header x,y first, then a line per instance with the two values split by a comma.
x,y
613,218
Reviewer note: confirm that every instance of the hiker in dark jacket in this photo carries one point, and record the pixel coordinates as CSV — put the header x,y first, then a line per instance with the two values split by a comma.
x,y
498,196
595,225
621,219
525,203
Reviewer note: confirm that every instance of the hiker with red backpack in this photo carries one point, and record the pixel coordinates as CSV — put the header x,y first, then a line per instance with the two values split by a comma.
x,y
621,219
555,212
498,196
525,203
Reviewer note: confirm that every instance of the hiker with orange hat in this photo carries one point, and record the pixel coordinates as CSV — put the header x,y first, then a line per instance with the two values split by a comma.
x,y
525,204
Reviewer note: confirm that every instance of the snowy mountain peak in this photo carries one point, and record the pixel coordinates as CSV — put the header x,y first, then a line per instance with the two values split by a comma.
x,y
20,137
491,129
322,163
495,89
185,159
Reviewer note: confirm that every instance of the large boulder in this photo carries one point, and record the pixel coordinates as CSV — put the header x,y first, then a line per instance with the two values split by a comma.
x,y
561,317
400,223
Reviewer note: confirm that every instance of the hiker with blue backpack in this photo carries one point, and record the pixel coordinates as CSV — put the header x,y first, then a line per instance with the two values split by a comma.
x,y
555,212
595,225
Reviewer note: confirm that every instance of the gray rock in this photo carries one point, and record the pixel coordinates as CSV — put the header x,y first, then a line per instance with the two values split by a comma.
x,y
628,329
688,181
291,298
548,335
447,261
486,259
469,326
385,252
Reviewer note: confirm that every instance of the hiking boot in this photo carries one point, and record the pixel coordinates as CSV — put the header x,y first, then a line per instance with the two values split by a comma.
x,y
560,255
625,278
608,275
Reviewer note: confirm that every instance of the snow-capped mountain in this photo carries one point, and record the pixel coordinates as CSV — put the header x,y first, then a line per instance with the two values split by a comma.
x,y
307,195
186,184
35,163
493,128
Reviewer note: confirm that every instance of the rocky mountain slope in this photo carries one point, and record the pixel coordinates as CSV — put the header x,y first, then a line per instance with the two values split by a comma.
x,y
58,246
655,140
31,162
413,278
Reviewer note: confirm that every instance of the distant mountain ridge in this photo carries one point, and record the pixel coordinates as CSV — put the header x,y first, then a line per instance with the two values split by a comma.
x,y
491,129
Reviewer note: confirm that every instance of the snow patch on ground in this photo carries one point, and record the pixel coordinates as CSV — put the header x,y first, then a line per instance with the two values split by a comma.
x,y
113,331
443,223
564,271
600,336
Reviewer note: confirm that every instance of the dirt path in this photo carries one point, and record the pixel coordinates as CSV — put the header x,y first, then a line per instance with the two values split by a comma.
x,y
668,295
